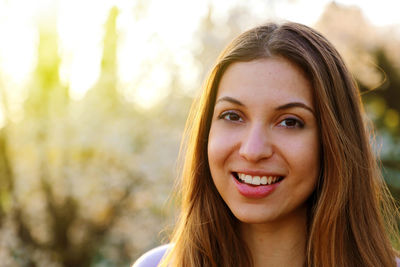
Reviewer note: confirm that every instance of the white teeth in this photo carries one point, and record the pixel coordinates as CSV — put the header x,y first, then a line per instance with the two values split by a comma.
x,y
263,180
257,180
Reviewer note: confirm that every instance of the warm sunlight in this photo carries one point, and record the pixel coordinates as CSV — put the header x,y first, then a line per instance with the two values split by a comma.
x,y
380,13
150,38
80,41
150,44
94,102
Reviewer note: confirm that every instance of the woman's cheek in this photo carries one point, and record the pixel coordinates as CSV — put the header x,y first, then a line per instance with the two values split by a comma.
x,y
223,139
300,151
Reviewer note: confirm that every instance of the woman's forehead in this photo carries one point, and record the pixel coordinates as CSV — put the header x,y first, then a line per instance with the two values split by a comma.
x,y
266,79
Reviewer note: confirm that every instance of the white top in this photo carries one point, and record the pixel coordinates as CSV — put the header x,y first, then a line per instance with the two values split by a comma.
x,y
152,258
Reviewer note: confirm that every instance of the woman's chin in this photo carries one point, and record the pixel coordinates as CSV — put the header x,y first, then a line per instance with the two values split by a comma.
x,y
254,218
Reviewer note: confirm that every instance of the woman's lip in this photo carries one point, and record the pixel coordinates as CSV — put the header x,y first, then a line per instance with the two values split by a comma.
x,y
252,191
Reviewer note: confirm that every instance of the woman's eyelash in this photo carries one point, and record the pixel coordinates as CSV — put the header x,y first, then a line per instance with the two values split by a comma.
x,y
230,116
291,123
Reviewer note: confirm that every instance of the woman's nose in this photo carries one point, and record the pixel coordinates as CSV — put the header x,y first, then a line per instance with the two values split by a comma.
x,y
256,144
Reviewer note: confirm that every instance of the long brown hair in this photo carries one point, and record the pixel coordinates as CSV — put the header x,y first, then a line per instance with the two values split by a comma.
x,y
351,213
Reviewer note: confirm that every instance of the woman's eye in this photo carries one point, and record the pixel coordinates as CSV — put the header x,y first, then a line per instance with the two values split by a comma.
x,y
230,116
291,123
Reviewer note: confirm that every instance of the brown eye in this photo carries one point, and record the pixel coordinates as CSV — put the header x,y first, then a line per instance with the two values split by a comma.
x,y
231,116
291,123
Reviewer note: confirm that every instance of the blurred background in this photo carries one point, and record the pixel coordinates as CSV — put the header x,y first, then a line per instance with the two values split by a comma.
x,y
93,99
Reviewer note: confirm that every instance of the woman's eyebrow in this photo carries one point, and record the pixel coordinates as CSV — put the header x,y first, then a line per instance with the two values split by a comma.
x,y
230,99
294,105
282,107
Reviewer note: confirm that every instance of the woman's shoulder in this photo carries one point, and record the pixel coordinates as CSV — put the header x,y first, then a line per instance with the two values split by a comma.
x,y
152,257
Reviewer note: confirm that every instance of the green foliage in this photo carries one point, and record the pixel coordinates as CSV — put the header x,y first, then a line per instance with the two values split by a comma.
x,y
385,100
383,105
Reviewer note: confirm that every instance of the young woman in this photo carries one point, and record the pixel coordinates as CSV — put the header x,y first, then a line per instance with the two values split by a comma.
x,y
278,166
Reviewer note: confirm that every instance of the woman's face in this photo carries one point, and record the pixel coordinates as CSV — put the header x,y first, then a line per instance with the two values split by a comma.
x,y
263,146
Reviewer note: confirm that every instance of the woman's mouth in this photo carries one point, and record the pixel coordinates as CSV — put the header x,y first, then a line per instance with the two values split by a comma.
x,y
256,180
256,186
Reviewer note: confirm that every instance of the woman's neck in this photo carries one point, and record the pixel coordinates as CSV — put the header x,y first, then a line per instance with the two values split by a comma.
x,y
279,243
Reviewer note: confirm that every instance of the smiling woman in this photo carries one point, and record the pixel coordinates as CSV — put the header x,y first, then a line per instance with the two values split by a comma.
x,y
278,168
259,139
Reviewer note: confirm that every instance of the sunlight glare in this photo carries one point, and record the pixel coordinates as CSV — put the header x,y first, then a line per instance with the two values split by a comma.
x,y
150,45
310,11
152,89
379,13
158,39
81,43
17,54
